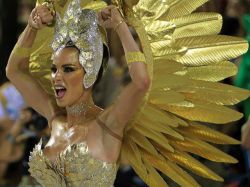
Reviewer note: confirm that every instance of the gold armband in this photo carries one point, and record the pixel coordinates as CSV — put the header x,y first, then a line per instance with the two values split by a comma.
x,y
21,51
134,57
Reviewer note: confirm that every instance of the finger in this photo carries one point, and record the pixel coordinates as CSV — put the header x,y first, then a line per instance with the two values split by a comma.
x,y
106,16
34,20
99,16
106,24
43,13
116,12
47,19
100,20
46,16
33,12
101,23
42,8
106,11
39,22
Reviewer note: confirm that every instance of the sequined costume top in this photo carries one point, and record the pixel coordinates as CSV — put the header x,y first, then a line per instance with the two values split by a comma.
x,y
74,167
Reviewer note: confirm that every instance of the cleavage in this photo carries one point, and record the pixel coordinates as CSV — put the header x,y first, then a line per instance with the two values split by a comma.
x,y
58,143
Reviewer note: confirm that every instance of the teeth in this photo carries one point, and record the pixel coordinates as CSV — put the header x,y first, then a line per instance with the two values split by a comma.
x,y
59,87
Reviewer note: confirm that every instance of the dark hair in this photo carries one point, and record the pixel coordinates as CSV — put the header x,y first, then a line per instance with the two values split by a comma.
x,y
70,44
103,66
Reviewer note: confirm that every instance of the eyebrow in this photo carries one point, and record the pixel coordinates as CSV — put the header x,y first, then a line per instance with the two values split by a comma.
x,y
64,65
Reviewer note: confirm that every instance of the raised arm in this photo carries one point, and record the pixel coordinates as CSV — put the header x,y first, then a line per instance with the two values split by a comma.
x,y
18,64
131,96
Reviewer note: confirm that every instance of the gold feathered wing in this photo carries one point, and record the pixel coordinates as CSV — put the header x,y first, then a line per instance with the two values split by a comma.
x,y
186,58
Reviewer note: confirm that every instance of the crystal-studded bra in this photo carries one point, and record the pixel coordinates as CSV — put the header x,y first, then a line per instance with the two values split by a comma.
x,y
75,167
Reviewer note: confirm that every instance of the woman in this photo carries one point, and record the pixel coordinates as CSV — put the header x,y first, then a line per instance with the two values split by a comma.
x,y
84,125
184,56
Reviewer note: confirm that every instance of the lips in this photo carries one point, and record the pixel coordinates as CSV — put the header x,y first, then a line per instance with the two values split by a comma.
x,y
60,91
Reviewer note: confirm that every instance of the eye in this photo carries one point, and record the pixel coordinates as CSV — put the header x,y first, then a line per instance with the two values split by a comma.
x,y
68,69
53,69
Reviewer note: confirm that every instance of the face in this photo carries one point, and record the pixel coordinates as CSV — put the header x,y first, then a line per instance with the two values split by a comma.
x,y
67,77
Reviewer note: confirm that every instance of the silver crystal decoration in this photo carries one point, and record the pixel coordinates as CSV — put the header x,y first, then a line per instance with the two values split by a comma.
x,y
81,27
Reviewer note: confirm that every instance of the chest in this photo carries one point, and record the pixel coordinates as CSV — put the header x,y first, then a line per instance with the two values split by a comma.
x,y
74,167
61,138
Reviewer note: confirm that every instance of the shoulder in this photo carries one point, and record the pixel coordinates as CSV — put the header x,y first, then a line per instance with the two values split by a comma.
x,y
57,119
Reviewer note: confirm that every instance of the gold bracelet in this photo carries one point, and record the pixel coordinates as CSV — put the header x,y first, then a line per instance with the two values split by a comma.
x,y
118,24
135,57
21,51
31,27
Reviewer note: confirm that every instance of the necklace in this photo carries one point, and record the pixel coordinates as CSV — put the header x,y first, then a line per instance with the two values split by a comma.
x,y
79,109
80,114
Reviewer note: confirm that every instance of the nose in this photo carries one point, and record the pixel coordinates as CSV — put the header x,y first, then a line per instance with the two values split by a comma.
x,y
56,76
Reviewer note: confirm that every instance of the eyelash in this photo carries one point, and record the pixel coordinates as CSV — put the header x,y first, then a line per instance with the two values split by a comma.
x,y
65,69
68,69
53,69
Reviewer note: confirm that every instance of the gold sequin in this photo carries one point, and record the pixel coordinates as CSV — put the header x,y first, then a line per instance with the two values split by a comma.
x,y
73,167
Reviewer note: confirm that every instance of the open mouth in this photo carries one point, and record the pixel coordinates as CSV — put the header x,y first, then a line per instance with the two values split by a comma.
x,y
60,91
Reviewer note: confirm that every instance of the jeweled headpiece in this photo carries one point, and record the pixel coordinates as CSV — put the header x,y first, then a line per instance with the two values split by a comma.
x,y
80,28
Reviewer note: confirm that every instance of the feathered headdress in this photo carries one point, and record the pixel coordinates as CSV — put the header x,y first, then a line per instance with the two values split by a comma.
x,y
80,27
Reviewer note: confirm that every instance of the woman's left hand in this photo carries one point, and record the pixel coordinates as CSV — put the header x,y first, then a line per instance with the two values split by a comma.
x,y
109,17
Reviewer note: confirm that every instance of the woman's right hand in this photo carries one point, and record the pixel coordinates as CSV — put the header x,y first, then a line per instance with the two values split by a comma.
x,y
40,16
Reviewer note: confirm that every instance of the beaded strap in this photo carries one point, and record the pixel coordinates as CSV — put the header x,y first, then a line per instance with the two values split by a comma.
x,y
134,57
21,51
107,129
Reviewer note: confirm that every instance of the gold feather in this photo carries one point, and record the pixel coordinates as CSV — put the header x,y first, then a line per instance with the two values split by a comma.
x,y
165,97
202,149
128,154
203,112
150,9
94,5
197,24
159,29
213,92
180,8
202,132
167,67
157,137
204,50
155,180
163,47
40,59
174,82
169,169
185,160
142,141
163,51
158,127
180,121
214,72
135,149
146,172
160,116
41,72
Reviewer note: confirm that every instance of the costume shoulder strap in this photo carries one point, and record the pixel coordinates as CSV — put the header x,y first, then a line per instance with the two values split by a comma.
x,y
107,129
